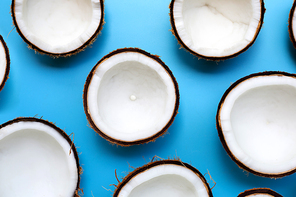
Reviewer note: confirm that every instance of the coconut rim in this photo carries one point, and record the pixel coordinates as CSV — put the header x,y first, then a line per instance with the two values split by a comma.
x,y
255,191
214,58
62,133
152,164
6,74
140,141
290,24
220,131
64,54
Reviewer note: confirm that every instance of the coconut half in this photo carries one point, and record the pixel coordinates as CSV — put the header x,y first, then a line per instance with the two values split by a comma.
x,y
292,25
4,62
164,178
216,29
259,192
37,159
130,97
58,27
256,123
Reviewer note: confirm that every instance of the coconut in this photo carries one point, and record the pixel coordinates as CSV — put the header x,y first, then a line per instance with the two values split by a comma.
x,y
259,192
256,123
216,29
164,178
37,159
292,26
4,62
58,28
130,97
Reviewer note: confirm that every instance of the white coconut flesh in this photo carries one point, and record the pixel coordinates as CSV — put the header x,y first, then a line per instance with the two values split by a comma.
x,y
258,123
35,161
293,24
58,26
131,97
217,28
3,62
165,180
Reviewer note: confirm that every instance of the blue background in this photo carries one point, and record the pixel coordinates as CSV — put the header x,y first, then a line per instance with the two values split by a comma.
x,y
41,86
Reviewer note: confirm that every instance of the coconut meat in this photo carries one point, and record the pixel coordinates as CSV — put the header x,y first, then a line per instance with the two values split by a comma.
x,y
165,180
258,123
3,62
131,96
58,26
293,24
35,161
217,27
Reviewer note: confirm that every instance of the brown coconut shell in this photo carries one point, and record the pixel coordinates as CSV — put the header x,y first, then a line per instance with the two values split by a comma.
x,y
66,54
152,164
141,141
213,58
2,83
220,131
73,150
255,191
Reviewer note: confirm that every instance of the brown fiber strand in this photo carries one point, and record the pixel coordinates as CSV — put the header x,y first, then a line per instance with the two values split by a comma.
x,y
116,176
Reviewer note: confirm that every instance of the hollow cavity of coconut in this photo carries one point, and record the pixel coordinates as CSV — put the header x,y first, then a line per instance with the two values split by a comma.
x,y
164,178
256,123
259,192
216,29
58,28
130,97
292,25
4,62
37,159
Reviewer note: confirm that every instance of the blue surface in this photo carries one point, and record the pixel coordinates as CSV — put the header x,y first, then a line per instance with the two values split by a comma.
x,y
52,88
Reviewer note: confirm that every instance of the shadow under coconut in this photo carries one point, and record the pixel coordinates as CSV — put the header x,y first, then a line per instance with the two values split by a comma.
x,y
154,148
229,166
246,178
207,66
7,96
291,49
71,61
